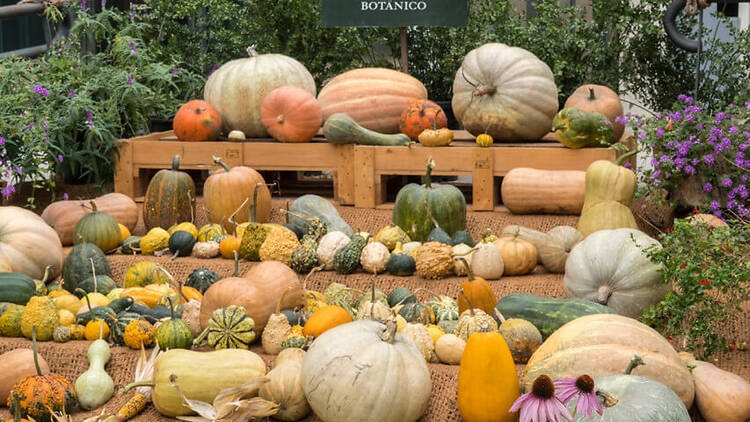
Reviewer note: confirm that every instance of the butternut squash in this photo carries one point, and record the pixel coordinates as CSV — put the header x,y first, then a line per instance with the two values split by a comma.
x,y
531,191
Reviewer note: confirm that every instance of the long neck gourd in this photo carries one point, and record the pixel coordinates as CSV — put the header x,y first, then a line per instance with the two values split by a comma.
x,y
95,387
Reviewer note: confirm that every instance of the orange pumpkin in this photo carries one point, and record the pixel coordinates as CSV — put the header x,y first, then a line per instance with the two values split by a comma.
x,y
478,291
420,116
291,114
229,245
600,99
325,318
197,121
227,189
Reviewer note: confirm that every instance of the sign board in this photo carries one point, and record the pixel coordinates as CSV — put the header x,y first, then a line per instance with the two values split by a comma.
x,y
394,13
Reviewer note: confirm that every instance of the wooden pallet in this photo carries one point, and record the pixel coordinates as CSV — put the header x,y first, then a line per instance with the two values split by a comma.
x,y
358,170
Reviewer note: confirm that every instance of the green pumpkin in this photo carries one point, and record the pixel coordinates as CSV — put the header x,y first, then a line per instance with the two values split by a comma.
x,y
102,284
576,128
209,231
462,236
443,307
401,264
307,206
445,203
98,228
170,198
229,328
346,259
16,288
400,295
174,333
77,265
117,329
416,313
448,325
201,279
131,245
181,243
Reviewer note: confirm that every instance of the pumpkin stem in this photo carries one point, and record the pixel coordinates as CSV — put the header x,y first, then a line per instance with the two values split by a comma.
x,y
484,328
621,159
251,51
198,340
93,206
171,308
236,264
149,383
603,294
231,217
179,287
635,362
592,95
217,160
35,348
93,272
389,333
428,176
607,399
46,274
314,270
499,315
88,302
176,162
463,75
469,273
471,305
484,90
434,119
280,119
192,207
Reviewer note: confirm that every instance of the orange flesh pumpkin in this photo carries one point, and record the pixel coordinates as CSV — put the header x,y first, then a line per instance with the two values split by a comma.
x,y
197,121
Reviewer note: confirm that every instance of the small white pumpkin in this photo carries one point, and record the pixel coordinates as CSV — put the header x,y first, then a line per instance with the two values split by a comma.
x,y
487,262
285,386
421,337
349,365
461,250
374,257
236,136
449,349
206,250
328,245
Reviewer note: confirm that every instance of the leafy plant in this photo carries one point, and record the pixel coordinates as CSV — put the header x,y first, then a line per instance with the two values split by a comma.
x,y
709,268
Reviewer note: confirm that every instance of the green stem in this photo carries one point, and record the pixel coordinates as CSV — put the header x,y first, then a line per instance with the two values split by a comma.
x,y
236,264
36,351
428,176
149,383
176,163
592,95
171,308
634,363
88,302
625,156
224,165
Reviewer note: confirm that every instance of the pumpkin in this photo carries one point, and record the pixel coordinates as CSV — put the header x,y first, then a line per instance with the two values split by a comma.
x,y
307,206
325,318
471,321
284,386
576,128
487,380
64,215
434,260
237,88
139,334
506,92
531,191
603,344
721,396
40,316
374,97
352,363
449,349
421,337
144,273
170,198
522,338
476,293
22,235
600,99
420,115
131,245
485,140
226,190
488,262
197,121
258,291
436,137
236,136
173,333
340,129
201,279
291,114
554,251
610,267
606,215
607,181
42,394
228,328
461,251
17,364
519,256
374,257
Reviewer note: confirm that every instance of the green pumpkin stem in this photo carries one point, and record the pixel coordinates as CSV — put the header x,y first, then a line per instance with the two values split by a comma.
x,y
254,205
428,175
236,264
201,337
171,308
93,274
471,305
217,160
88,302
35,348
635,362
176,162
621,159
592,95
469,273
149,383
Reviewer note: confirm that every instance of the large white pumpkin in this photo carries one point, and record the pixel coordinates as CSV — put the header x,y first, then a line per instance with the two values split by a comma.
x,y
506,92
363,371
27,244
610,267
237,89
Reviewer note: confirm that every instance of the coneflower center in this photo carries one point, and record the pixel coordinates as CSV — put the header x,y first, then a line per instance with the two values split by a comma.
x,y
543,387
585,383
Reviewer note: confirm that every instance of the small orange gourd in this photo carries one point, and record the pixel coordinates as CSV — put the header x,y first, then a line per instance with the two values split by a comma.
x,y
421,115
478,291
325,318
487,380
230,246
197,121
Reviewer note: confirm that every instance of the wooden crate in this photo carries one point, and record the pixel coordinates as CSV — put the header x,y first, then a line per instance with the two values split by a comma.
x,y
155,151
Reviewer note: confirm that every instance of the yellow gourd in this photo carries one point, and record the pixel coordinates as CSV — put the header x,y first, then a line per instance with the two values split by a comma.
x,y
66,317
155,240
325,318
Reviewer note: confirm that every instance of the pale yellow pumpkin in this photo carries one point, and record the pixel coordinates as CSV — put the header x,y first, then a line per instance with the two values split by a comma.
x,y
519,256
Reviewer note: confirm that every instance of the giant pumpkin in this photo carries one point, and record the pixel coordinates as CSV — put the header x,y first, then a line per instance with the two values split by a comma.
x,y
28,244
170,198
225,191
506,92
237,88
64,215
373,97
291,114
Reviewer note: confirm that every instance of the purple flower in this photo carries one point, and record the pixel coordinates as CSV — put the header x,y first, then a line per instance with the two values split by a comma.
x,y
739,159
581,389
689,169
130,80
708,187
659,132
90,118
716,131
641,135
715,205
663,158
622,120
675,116
627,165
741,190
175,71
30,126
18,170
2,140
132,14
541,404
689,117
733,129
732,204
133,50
71,94
694,161
83,4
709,159
8,191
717,213
65,196
41,90
60,158
684,148
726,182
720,116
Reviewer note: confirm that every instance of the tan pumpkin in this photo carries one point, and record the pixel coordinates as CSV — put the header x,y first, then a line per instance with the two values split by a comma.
x,y
225,191
506,92
285,386
291,114
28,244
555,250
64,215
530,191
487,261
258,291
373,97
599,99
237,88
532,236
606,215
15,365
603,344
519,256
721,396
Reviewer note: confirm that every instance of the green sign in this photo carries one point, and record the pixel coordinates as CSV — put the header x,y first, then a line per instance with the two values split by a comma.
x,y
394,13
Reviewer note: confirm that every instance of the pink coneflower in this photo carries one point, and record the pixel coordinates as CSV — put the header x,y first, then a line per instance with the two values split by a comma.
x,y
541,404
582,389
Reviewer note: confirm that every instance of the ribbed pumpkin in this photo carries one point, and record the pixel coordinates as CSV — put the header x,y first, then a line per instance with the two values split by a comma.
x,y
170,198
144,273
63,215
23,235
506,92
229,328
98,228
576,128
197,121
554,251
237,88
477,291
600,99
173,333
487,380
291,114
373,97
519,256
421,115
227,189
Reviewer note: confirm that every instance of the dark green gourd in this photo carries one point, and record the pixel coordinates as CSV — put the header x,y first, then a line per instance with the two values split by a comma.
x,y
346,259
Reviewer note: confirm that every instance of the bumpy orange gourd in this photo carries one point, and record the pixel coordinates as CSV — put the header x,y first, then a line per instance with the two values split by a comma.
x,y
291,114
197,121
478,292
487,380
326,318
421,115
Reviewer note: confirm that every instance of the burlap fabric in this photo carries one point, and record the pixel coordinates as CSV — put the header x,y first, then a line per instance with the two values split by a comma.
x,y
70,359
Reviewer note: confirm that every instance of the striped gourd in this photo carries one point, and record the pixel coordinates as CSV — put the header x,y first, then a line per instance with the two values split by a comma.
x,y
229,328
170,198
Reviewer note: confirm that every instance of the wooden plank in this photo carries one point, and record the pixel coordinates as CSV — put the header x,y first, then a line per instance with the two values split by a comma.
x,y
124,180
483,180
449,161
156,152
506,159
364,177
343,177
201,154
280,156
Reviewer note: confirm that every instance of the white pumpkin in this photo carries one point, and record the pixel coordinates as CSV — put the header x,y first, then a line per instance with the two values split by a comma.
x,y
28,245
366,372
328,245
374,257
237,89
449,349
506,92
487,262
610,267
461,250
410,247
